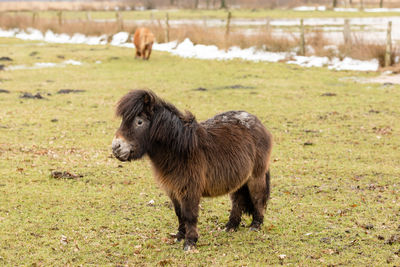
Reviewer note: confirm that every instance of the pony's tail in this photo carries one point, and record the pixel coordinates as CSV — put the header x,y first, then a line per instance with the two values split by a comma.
x,y
268,188
248,204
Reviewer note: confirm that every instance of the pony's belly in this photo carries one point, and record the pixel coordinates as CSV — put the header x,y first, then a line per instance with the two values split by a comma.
x,y
219,187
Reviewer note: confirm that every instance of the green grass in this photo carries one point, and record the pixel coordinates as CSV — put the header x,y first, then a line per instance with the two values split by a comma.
x,y
323,195
211,14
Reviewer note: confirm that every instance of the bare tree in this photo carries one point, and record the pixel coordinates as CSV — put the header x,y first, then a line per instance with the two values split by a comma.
x,y
196,4
334,3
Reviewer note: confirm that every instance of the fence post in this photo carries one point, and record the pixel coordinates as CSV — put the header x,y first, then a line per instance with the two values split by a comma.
x,y
346,32
381,3
60,21
34,18
268,24
228,24
388,53
302,40
166,27
119,20
361,4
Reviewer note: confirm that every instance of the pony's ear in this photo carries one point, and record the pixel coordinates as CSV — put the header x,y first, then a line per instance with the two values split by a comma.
x,y
149,103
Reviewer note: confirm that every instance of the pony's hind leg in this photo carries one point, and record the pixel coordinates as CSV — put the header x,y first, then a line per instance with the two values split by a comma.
x,y
240,200
181,228
149,48
259,193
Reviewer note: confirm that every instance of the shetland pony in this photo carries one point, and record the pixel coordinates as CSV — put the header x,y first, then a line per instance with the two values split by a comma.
x,y
143,41
226,154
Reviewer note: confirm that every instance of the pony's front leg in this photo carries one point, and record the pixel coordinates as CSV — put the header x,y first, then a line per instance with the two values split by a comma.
x,y
190,213
181,229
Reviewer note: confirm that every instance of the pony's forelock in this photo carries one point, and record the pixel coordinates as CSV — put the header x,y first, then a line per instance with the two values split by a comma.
x,y
134,103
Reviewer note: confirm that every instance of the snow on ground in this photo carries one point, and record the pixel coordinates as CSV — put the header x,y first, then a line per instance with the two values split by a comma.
x,y
42,65
310,8
187,49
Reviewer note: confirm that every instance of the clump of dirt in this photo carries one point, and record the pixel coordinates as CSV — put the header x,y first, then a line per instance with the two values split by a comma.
x,y
394,239
237,86
5,59
31,96
200,89
65,175
68,91
4,91
328,94
34,53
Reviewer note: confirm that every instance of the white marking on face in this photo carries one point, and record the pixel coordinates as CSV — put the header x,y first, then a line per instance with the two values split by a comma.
x,y
121,148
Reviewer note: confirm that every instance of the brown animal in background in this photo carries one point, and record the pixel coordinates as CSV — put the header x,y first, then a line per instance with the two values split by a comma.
x,y
228,153
143,41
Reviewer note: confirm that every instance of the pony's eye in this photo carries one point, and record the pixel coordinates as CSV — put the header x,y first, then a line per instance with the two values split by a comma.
x,y
139,122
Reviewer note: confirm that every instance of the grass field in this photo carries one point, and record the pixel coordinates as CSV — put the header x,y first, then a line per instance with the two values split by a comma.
x,y
335,164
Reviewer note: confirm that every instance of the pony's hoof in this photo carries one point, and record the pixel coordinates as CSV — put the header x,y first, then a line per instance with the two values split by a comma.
x,y
231,227
189,246
254,228
230,230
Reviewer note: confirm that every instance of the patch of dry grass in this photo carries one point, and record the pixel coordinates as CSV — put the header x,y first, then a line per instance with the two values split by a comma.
x,y
363,49
87,27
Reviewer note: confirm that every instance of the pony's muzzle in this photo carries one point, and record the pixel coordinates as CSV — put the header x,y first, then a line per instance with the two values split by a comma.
x,y
121,149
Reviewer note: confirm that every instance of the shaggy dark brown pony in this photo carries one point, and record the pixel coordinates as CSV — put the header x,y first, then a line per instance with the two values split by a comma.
x,y
228,153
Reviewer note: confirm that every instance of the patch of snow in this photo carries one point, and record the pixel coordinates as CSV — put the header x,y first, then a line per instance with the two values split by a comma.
x,y
42,65
72,62
354,64
119,38
166,47
312,61
187,49
30,34
97,40
310,8
8,33
345,9
373,10
78,38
